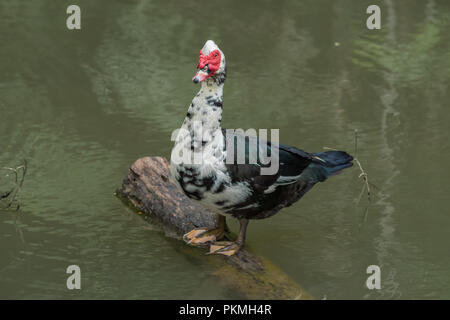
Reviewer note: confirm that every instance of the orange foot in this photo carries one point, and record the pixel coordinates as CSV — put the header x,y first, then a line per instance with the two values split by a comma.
x,y
226,248
203,236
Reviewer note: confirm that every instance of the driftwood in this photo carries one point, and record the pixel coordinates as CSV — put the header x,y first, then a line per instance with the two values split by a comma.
x,y
148,189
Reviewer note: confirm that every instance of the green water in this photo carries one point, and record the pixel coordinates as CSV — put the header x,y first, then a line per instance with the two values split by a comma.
x,y
82,105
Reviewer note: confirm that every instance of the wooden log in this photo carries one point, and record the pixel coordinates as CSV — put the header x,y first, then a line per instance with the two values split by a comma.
x,y
148,189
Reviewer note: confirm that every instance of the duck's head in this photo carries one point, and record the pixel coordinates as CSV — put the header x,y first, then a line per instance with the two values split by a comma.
x,y
211,64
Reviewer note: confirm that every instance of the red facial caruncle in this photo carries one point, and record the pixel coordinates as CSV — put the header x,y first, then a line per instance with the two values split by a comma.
x,y
212,60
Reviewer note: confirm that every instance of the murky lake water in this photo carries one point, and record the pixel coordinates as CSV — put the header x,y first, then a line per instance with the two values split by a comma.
x,y
81,106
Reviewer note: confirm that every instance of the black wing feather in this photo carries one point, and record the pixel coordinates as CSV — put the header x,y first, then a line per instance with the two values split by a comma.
x,y
292,162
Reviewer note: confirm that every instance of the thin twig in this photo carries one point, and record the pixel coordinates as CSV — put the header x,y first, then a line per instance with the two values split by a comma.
x,y
363,173
12,194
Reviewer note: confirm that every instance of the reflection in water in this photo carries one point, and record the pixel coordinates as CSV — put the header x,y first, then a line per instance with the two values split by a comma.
x,y
386,239
81,106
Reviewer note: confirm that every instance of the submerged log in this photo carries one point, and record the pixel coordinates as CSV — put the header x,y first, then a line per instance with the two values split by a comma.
x,y
148,189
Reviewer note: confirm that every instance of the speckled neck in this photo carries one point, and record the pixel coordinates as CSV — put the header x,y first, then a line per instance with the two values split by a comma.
x,y
205,114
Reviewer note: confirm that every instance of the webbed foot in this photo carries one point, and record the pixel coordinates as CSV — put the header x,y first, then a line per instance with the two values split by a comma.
x,y
203,236
226,248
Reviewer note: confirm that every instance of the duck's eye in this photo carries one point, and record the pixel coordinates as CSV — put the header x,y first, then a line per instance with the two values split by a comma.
x,y
216,55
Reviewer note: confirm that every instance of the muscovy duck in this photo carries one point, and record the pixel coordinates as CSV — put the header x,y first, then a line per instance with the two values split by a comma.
x,y
231,188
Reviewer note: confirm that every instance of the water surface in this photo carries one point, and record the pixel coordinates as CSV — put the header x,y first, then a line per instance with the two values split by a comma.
x,y
81,106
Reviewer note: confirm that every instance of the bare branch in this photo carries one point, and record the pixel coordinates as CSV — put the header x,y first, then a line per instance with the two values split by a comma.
x,y
19,178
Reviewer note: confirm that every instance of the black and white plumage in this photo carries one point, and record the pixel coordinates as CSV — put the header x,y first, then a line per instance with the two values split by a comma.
x,y
230,189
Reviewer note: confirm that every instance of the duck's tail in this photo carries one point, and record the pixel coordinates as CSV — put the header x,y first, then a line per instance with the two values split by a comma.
x,y
329,163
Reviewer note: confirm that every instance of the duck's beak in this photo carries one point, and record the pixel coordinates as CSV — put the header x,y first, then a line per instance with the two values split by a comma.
x,y
200,76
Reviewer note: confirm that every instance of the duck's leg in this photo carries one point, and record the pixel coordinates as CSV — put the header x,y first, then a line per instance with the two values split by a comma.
x,y
203,236
228,248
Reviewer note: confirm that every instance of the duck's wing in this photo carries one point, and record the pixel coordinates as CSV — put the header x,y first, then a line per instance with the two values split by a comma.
x,y
259,154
